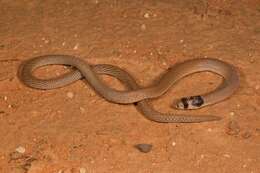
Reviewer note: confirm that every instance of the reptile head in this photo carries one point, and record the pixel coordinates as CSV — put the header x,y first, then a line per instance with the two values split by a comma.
x,y
193,102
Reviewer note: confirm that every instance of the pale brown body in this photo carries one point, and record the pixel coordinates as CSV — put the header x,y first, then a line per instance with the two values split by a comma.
x,y
136,94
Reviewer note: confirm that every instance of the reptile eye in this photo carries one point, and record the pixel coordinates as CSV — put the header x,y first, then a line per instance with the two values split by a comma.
x,y
197,101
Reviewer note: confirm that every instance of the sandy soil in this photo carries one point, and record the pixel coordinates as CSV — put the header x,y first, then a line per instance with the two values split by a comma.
x,y
72,129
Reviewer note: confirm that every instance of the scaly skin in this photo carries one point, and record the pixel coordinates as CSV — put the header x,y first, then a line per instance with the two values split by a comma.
x,y
136,94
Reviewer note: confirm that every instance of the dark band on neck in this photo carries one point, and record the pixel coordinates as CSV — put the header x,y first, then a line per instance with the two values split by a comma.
x,y
197,101
185,102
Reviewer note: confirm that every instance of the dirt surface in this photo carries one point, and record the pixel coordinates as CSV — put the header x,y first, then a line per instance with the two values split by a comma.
x,y
72,129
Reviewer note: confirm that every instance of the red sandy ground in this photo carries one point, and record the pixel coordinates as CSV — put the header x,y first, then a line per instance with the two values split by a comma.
x,y
49,132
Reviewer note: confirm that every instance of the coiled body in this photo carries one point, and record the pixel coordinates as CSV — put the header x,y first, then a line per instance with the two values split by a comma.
x,y
135,93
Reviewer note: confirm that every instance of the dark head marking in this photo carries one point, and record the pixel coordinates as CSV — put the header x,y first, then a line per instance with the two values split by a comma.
x,y
197,101
185,102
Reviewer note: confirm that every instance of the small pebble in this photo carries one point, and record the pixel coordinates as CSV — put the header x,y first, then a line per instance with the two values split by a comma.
x,y
257,87
233,128
5,98
209,130
82,170
143,27
145,148
164,63
76,47
82,110
232,113
174,144
146,15
70,95
252,60
227,155
20,149
46,41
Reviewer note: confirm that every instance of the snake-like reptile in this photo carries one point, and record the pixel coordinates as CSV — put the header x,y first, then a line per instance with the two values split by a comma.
x,y
135,93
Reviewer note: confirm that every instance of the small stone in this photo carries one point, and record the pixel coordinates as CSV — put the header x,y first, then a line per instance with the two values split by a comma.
x,y
146,15
164,63
82,170
63,43
143,27
232,113
82,110
181,41
257,87
57,73
76,47
173,144
70,95
209,130
60,171
252,60
145,148
227,155
5,98
233,128
20,149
